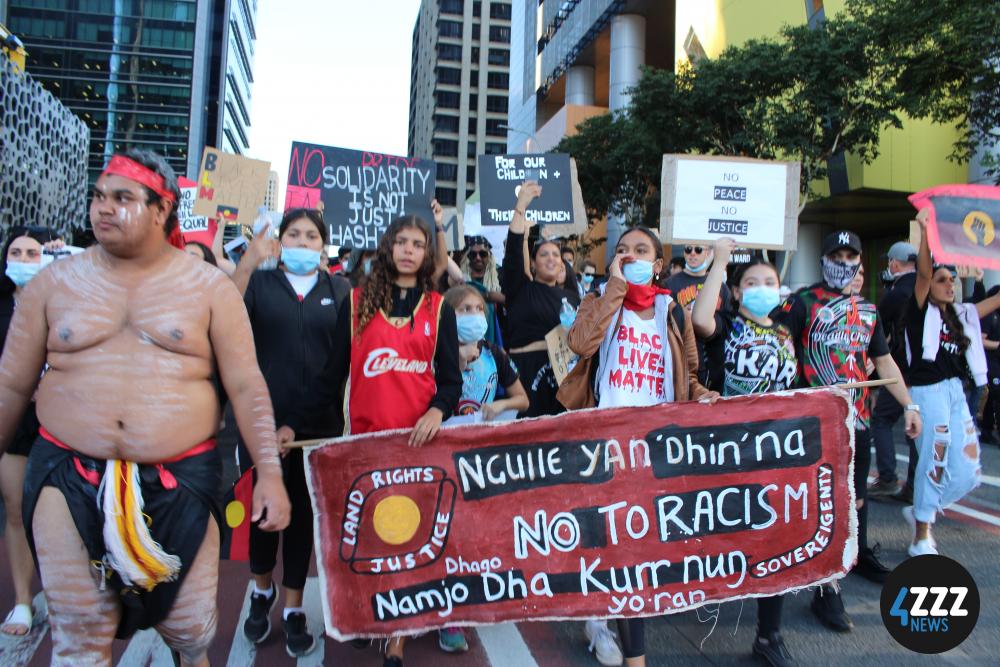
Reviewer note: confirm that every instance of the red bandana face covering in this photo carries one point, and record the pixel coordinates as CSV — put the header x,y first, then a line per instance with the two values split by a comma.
x,y
132,170
641,297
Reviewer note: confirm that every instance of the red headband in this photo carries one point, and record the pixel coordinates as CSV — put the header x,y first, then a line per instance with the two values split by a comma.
x,y
128,168
123,166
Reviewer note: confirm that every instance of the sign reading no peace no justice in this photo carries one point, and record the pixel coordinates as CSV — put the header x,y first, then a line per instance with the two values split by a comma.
x,y
755,202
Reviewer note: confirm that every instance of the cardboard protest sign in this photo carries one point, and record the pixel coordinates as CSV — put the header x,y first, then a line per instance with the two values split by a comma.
x,y
454,230
198,228
559,208
962,226
593,513
703,198
362,192
561,357
231,185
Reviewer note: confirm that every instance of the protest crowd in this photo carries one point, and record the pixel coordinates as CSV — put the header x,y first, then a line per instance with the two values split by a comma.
x,y
114,387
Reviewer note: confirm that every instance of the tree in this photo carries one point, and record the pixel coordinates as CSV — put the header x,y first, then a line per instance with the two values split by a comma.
x,y
808,94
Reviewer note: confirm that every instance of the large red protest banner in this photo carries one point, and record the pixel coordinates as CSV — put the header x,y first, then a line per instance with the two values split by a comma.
x,y
963,224
595,513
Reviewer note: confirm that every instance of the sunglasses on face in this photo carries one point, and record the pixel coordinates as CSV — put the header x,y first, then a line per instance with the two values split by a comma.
x,y
483,254
697,249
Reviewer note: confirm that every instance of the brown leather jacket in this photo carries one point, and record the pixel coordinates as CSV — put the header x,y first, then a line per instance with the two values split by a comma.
x,y
598,313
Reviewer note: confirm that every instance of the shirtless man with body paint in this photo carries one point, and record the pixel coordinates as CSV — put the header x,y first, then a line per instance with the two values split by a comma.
x,y
133,331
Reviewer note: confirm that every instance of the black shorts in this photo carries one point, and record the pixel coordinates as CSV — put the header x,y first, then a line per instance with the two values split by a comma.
x,y
27,431
178,518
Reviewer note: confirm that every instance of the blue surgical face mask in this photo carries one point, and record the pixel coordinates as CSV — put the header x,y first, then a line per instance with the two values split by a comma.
x,y
587,279
696,269
471,327
367,266
638,272
300,261
760,299
22,272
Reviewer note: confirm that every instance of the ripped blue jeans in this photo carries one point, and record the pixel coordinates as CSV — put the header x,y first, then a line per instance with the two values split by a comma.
x,y
948,463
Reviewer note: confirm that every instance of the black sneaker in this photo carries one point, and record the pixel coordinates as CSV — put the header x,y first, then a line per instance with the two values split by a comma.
x,y
392,661
880,490
298,641
258,624
829,609
905,495
771,649
870,567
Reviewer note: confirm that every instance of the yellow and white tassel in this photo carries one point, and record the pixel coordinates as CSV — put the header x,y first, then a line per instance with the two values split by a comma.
x,y
132,552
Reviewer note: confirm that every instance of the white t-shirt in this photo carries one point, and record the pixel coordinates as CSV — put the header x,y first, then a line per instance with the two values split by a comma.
x,y
637,370
302,284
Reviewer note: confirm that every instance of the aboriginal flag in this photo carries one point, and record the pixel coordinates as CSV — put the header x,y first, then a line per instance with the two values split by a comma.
x,y
228,213
964,224
236,509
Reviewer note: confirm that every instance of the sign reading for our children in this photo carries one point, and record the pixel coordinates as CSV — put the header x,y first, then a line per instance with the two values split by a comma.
x,y
755,202
560,206
362,191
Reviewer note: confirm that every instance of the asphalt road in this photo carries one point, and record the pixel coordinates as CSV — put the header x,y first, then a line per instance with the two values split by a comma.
x,y
969,533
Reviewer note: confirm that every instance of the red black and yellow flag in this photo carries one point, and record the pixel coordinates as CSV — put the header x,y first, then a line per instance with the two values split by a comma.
x,y
964,224
236,509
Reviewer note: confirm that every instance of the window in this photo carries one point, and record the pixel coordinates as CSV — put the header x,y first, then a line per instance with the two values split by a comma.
x,y
495,149
450,52
499,57
496,128
447,99
445,196
473,125
445,123
475,54
473,102
476,29
451,6
449,28
474,78
500,10
471,150
477,8
500,34
470,174
449,75
496,103
447,172
498,80
446,147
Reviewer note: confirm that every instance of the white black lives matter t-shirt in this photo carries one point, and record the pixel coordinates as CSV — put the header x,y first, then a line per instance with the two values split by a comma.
x,y
757,358
636,371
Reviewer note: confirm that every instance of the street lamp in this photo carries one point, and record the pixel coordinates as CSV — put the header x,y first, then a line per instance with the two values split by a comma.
x,y
530,136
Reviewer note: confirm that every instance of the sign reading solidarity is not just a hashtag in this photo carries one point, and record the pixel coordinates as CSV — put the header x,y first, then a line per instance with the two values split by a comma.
x,y
362,191
594,513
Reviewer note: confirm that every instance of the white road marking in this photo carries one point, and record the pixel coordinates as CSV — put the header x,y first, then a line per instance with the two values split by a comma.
x,y
505,646
242,652
975,514
988,480
313,606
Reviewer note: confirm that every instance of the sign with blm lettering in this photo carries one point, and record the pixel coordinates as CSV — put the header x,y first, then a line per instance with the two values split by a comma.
x,y
560,206
362,192
622,512
704,198
230,185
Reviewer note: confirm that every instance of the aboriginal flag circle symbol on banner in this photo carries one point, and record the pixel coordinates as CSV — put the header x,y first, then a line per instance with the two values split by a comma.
x,y
978,228
930,604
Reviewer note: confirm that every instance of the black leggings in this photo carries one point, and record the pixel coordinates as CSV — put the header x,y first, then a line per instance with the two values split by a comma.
x,y
633,634
769,615
296,539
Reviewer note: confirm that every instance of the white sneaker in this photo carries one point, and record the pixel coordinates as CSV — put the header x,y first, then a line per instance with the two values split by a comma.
x,y
602,643
911,521
922,548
